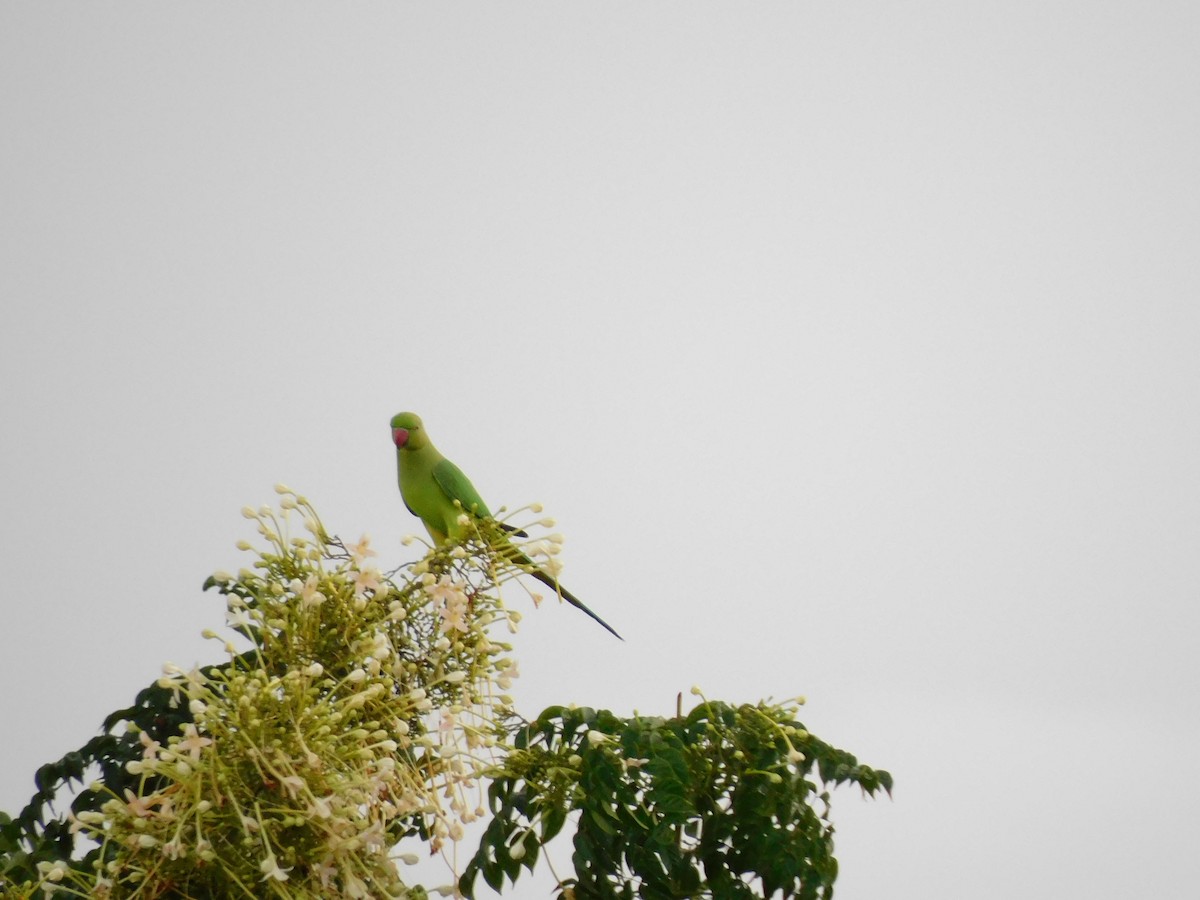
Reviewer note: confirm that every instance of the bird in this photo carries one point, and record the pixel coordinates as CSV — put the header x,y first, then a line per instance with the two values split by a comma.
x,y
437,492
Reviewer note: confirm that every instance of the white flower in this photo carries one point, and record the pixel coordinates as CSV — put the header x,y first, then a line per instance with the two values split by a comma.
x,y
150,747
271,869
55,871
367,580
293,784
361,550
192,743
308,593
380,647
325,871
450,602
506,676
238,618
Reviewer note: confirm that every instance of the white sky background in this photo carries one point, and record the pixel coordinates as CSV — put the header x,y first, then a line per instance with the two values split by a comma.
x,y
854,347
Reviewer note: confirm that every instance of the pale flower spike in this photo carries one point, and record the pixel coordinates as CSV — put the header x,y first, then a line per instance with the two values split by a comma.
x,y
307,758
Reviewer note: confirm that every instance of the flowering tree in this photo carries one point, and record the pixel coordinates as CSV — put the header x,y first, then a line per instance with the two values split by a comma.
x,y
369,708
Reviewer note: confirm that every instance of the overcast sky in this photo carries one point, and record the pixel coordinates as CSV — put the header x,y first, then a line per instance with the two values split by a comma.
x,y
854,346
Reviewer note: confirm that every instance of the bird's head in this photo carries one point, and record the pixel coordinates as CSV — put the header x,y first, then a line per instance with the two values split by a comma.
x,y
408,433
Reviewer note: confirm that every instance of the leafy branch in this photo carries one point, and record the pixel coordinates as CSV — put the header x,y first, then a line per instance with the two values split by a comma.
x,y
362,709
702,805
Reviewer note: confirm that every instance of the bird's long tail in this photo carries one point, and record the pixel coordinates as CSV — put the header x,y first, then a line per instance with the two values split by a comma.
x,y
550,582
502,546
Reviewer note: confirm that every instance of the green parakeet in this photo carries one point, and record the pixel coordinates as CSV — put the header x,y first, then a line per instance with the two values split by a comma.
x,y
430,484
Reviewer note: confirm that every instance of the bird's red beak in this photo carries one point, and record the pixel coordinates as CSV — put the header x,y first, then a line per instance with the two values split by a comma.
x,y
400,436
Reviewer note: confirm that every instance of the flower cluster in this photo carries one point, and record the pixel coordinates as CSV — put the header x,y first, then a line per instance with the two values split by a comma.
x,y
365,709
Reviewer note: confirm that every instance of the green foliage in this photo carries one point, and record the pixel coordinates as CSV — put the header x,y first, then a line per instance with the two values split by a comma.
x,y
370,708
717,803
36,835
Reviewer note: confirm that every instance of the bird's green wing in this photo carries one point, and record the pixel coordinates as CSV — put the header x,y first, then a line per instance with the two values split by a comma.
x,y
457,486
